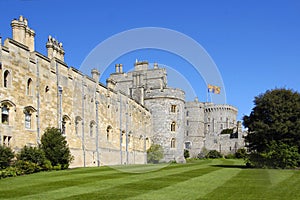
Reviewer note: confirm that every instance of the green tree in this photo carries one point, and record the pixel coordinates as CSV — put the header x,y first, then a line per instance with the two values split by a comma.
x,y
56,149
6,155
155,153
186,153
274,123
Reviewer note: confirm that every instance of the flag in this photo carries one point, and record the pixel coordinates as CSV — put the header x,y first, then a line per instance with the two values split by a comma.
x,y
214,89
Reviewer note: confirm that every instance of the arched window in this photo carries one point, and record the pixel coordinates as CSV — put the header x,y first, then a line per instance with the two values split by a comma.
x,y
173,141
6,79
27,120
108,133
28,111
173,126
77,124
92,128
29,87
5,115
64,124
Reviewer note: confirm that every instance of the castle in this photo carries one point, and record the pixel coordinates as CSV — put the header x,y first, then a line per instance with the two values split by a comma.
x,y
104,124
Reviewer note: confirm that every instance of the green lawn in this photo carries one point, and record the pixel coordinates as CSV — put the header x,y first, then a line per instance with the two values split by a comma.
x,y
206,179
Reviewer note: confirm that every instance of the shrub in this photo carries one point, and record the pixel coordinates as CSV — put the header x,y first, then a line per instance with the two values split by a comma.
x,y
279,155
6,155
155,153
55,147
227,131
241,153
203,153
214,154
186,154
32,154
27,167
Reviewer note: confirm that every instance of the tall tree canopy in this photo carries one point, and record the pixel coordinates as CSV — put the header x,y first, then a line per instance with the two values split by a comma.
x,y
273,126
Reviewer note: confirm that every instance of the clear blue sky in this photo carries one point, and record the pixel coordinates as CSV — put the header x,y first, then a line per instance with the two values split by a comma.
x,y
255,44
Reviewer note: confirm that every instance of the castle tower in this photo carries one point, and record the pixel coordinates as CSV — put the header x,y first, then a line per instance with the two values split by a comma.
x,y
148,86
194,127
167,108
22,33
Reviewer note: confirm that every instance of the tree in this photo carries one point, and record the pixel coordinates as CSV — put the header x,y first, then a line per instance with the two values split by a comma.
x,y
274,124
6,155
56,149
186,153
155,153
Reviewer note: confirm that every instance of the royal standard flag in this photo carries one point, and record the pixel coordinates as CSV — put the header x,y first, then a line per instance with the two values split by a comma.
x,y
214,89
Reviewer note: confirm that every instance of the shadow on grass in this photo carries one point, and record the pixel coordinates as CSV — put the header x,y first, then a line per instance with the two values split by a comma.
x,y
232,166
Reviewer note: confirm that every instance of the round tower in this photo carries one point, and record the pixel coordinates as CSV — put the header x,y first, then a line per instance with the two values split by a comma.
x,y
167,108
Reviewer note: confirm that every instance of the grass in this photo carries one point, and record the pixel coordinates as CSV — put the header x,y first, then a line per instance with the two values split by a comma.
x,y
205,179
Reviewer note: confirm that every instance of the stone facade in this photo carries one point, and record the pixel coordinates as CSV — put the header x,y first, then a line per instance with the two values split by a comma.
x,y
104,125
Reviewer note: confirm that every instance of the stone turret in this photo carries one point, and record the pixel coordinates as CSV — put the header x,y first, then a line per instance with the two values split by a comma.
x,y
95,74
55,49
22,33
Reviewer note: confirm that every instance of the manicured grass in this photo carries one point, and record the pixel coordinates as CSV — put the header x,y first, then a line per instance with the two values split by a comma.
x,y
206,179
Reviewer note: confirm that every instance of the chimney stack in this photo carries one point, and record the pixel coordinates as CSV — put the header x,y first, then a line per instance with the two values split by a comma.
x,y
55,49
95,74
22,33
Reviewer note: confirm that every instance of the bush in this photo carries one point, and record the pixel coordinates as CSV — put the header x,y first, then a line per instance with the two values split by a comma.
x,y
214,154
186,154
27,167
203,153
280,155
155,153
241,153
32,154
6,155
55,147
9,172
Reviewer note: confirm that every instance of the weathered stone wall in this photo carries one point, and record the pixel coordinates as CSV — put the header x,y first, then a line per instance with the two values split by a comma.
x,y
51,94
194,127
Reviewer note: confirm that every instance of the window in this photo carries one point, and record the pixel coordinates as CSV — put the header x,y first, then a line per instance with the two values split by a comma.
x,y
108,133
64,123
173,108
47,89
187,133
187,145
173,141
5,115
173,126
208,128
187,122
92,127
77,124
27,119
29,87
187,113
221,126
6,140
6,79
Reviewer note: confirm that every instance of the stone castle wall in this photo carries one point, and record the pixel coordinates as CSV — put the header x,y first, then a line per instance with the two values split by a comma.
x,y
40,91
104,125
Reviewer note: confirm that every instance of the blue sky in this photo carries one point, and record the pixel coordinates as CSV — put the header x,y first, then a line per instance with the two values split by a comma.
x,y
255,44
